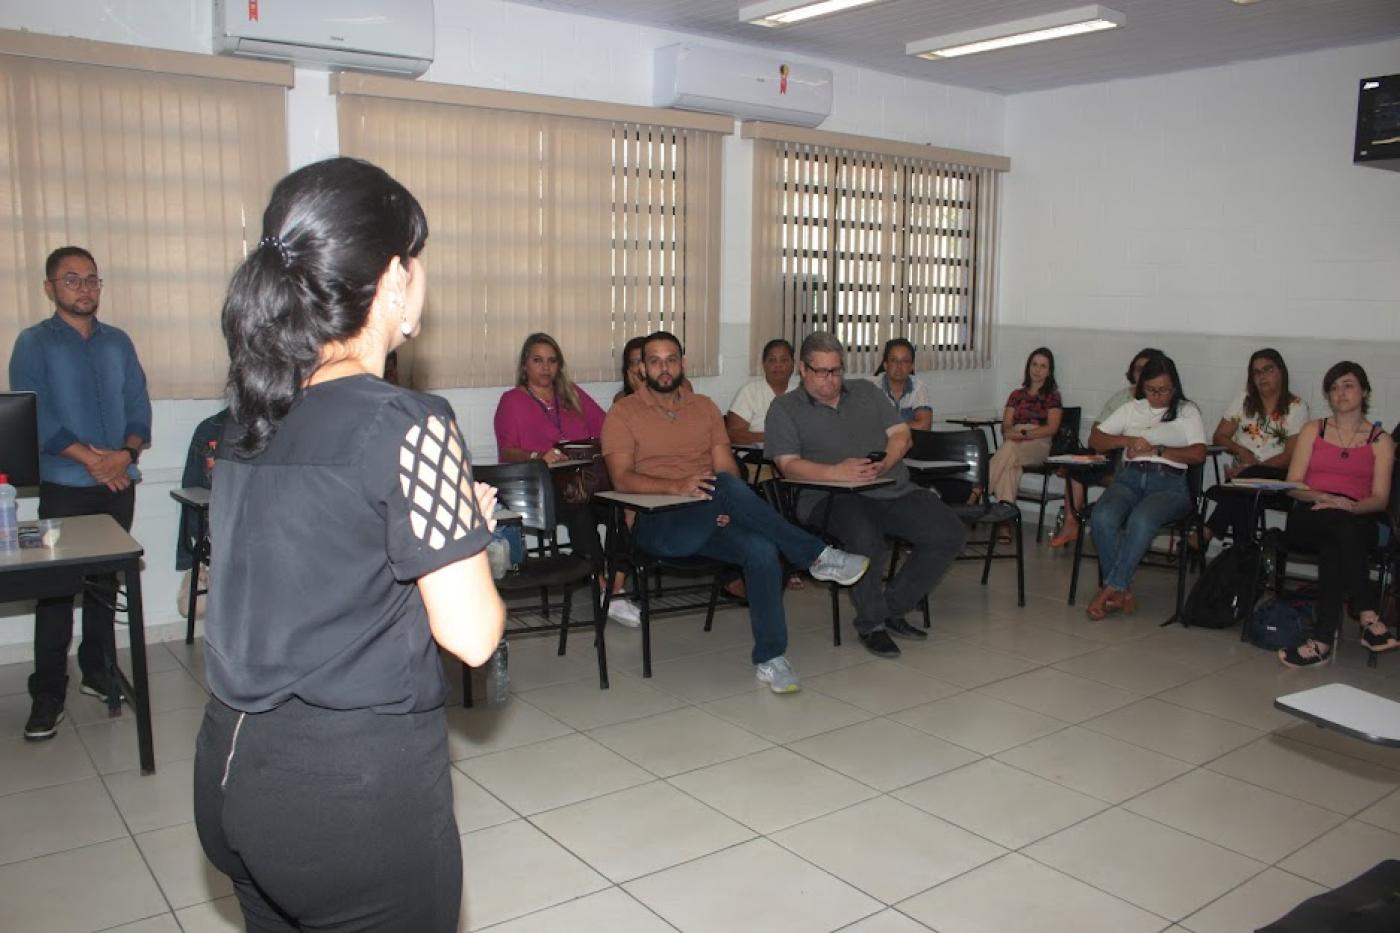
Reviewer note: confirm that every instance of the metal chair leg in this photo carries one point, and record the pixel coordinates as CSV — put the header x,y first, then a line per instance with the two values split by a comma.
x,y
642,590
1021,561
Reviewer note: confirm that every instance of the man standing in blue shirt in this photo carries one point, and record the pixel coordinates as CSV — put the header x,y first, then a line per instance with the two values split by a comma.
x,y
94,418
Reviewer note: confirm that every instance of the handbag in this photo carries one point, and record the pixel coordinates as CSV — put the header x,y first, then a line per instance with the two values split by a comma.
x,y
576,485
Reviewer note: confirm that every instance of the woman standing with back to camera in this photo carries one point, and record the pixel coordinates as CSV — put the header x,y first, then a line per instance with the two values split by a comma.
x,y
350,536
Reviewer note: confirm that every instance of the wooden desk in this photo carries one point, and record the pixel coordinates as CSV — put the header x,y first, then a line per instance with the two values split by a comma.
x,y
845,485
647,501
89,545
992,422
1350,711
936,467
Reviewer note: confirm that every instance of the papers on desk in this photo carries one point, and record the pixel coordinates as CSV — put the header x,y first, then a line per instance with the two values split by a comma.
x,y
1082,459
1260,483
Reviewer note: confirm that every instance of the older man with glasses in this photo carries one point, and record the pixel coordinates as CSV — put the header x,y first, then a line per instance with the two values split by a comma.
x,y
826,429
94,419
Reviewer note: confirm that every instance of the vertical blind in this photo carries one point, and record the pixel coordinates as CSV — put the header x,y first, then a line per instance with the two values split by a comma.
x,y
874,245
591,230
163,176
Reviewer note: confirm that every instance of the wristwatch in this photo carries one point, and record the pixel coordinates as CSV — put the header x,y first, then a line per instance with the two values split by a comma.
x,y
133,452
1157,450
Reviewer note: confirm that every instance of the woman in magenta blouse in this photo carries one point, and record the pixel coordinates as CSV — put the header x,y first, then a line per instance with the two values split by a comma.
x,y
544,410
1344,464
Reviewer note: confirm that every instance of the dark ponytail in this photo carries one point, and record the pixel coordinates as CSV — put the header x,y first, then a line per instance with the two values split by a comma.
x,y
329,233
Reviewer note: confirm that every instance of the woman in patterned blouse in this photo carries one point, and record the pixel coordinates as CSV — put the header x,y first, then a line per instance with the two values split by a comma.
x,y
1030,419
1259,430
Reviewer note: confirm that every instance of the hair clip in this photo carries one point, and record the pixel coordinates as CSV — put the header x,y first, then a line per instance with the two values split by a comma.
x,y
276,243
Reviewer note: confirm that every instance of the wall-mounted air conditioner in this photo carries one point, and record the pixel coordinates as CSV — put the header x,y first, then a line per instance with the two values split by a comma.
x,y
387,36
750,85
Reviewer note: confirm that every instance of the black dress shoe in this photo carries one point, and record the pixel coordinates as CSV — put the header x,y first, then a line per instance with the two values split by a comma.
x,y
879,643
901,629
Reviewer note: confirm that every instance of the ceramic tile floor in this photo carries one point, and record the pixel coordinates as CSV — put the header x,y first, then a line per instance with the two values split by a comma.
x,y
1024,770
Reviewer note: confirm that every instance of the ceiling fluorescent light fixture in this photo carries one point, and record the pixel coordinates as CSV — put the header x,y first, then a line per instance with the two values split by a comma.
x,y
776,13
1060,25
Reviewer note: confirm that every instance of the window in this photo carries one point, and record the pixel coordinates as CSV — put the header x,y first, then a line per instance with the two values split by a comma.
x,y
158,162
591,222
872,245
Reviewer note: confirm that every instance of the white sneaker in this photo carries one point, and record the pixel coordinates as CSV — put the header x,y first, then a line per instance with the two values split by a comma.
x,y
778,674
624,612
841,566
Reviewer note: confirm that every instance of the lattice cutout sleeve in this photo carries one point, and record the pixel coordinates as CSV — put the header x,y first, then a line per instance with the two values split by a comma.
x,y
436,479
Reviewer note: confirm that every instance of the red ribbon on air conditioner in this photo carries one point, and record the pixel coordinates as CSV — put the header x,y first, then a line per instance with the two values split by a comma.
x,y
252,11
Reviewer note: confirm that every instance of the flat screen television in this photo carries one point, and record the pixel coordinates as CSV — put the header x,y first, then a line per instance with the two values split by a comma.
x,y
1378,123
19,438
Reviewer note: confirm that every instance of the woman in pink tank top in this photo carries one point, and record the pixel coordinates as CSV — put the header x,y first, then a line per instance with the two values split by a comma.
x,y
1344,463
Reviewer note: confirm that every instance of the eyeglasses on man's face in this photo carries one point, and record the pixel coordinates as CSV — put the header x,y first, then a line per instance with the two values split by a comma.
x,y
824,372
72,281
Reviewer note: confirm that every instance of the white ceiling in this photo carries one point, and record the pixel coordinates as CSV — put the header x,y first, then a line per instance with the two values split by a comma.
x,y
1159,36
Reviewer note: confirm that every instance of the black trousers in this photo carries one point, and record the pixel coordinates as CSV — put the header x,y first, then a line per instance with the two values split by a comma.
x,y
1340,541
53,619
1232,509
330,820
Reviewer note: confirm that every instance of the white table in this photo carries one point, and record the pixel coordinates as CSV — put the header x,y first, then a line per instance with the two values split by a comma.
x,y
87,546
1350,711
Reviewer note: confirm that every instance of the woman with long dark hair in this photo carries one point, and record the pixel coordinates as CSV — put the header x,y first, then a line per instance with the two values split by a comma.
x,y
351,544
1161,436
1344,464
1075,488
1028,423
1259,430
634,371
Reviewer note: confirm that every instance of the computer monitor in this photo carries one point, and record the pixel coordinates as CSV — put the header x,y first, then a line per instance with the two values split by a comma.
x,y
19,437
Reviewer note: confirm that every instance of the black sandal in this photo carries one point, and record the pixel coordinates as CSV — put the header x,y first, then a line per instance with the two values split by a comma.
x,y
1383,640
1304,655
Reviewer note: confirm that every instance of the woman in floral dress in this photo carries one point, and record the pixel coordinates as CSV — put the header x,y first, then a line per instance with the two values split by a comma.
x,y
1259,430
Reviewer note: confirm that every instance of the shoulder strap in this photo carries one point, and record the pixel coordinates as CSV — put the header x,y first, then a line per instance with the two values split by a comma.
x,y
1376,431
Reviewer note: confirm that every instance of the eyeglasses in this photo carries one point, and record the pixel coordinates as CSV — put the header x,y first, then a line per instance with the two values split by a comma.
x,y
1158,391
72,281
825,373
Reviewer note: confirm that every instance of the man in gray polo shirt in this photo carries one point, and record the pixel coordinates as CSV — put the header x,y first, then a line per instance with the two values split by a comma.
x,y
824,429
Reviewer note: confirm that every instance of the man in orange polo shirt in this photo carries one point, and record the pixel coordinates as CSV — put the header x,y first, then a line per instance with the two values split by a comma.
x,y
664,438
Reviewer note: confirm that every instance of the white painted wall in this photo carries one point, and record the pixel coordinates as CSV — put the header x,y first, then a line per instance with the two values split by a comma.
x,y
520,48
1208,213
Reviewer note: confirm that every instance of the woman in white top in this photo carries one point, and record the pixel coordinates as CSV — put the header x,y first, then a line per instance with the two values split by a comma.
x,y
1161,435
744,420
1069,533
1259,429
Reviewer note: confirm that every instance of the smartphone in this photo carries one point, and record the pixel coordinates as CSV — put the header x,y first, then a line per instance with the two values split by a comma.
x,y
876,455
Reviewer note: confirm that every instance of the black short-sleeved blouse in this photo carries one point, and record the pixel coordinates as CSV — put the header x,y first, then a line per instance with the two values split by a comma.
x,y
318,543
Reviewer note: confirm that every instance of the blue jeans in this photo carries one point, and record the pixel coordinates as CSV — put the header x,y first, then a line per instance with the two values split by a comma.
x,y
754,538
1126,519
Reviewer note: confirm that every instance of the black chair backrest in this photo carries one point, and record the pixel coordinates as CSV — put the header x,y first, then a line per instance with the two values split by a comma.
x,y
1071,417
1393,508
525,488
970,447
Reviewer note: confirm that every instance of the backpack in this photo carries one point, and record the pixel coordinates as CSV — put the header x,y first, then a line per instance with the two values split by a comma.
x,y
1281,623
1221,595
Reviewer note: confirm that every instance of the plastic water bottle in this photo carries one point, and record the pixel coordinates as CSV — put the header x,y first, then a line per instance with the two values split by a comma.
x,y
9,516
498,675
